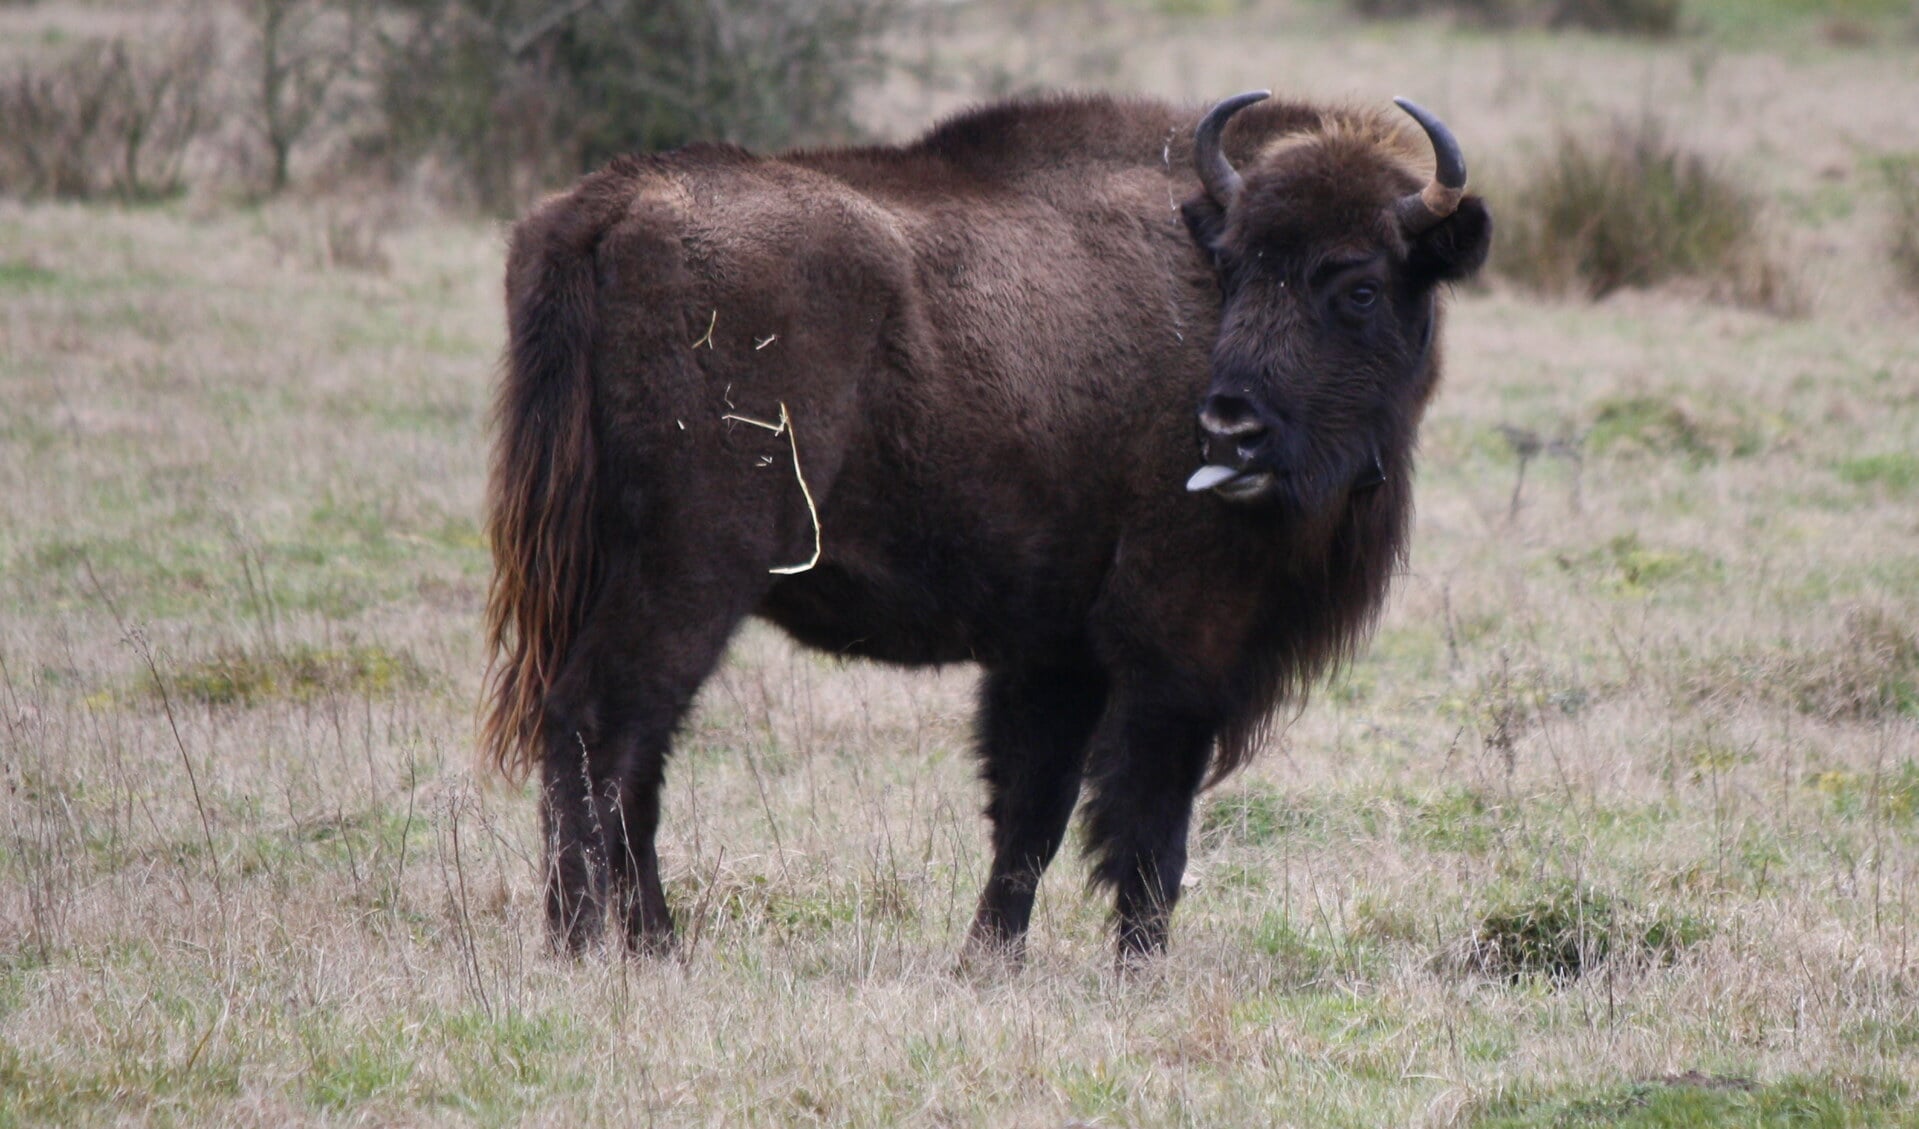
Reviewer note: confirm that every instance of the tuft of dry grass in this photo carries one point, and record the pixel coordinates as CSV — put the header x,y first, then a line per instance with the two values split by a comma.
x,y
1870,671
1630,209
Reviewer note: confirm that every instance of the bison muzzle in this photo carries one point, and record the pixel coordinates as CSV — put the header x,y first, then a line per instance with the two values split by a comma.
x,y
1114,399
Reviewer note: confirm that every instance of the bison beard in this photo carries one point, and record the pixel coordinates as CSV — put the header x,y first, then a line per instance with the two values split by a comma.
x,y
990,350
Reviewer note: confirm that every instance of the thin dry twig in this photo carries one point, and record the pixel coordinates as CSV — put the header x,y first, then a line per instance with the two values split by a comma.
x,y
785,427
700,911
555,18
706,339
462,917
137,639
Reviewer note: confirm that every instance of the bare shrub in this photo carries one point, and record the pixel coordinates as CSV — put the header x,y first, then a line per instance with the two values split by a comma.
x,y
1633,17
1487,13
1631,209
518,95
110,119
304,51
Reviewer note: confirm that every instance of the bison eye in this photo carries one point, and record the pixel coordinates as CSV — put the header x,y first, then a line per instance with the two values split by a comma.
x,y
1364,295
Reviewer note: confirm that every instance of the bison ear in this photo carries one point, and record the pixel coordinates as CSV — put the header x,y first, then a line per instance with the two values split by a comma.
x,y
1206,221
1456,247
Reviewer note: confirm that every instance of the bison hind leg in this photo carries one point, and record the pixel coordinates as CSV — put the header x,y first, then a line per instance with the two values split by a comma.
x,y
572,823
624,689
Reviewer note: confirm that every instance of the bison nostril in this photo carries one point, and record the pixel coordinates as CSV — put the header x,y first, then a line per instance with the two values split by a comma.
x,y
1227,417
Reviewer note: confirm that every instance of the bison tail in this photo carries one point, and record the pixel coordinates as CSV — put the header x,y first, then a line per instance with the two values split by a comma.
x,y
541,495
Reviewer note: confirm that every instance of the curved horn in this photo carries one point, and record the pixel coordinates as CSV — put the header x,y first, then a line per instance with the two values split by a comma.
x,y
1433,203
1215,171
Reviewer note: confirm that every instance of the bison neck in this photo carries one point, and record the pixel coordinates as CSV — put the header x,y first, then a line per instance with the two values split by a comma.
x,y
1320,594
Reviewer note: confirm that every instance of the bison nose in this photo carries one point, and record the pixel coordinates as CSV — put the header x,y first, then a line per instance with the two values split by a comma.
x,y
1230,424
1228,417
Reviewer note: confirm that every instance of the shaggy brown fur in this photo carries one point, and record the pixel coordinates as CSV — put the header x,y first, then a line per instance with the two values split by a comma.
x,y
990,345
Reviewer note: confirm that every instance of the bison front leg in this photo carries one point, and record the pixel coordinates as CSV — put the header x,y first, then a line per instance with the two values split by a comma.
x,y
1034,726
1148,761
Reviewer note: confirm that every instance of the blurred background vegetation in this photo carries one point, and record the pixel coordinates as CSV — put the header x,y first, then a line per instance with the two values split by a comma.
x,y
502,98
483,104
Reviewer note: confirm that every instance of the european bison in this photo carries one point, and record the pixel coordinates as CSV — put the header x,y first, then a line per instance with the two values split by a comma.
x,y
944,403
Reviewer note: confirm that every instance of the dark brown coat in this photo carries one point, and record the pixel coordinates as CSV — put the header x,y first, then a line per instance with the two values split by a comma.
x,y
966,372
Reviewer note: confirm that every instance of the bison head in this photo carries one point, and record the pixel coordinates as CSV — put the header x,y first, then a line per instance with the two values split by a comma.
x,y
1328,253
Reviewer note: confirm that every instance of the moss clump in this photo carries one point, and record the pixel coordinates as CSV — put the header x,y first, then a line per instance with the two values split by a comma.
x,y
243,678
1565,932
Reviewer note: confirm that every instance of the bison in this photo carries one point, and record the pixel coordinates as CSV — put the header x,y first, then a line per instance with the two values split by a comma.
x,y
1114,399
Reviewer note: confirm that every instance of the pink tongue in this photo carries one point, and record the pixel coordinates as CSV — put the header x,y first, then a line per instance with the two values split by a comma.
x,y
1207,477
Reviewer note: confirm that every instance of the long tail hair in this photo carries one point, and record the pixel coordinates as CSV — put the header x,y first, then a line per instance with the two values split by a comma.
x,y
541,496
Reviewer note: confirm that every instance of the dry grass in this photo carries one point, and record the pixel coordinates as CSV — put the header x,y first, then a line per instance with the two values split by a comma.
x,y
1630,209
1670,697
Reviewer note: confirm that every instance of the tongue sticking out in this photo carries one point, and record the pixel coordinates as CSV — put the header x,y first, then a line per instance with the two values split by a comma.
x,y
1207,477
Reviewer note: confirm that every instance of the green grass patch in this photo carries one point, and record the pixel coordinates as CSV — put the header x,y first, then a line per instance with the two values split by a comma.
x,y
802,906
1094,1090
1888,1036
504,1063
490,1068
1897,473
1893,792
1699,1101
1626,566
1254,816
1449,818
1751,22
1452,819
25,274
129,1080
1304,956
1647,424
348,1075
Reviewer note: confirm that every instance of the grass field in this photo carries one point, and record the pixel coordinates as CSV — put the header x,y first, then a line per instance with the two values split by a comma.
x,y
1616,822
